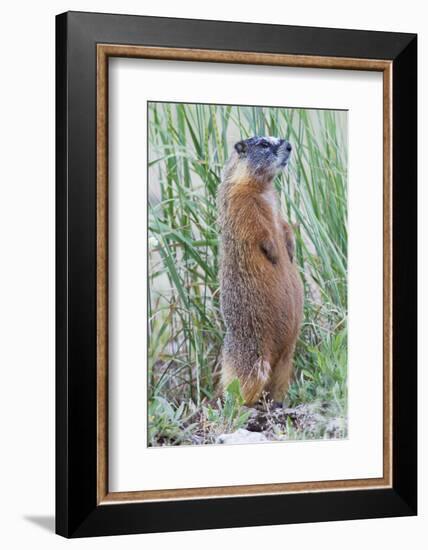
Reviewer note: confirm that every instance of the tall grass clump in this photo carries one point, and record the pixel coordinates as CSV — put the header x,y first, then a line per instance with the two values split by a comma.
x,y
188,147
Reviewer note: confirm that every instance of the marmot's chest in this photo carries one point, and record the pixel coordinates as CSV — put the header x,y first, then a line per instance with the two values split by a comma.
x,y
269,199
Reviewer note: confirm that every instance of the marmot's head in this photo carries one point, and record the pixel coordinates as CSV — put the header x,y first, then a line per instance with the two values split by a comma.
x,y
263,156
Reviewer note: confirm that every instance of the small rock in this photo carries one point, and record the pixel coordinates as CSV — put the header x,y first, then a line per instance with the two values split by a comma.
x,y
241,436
336,428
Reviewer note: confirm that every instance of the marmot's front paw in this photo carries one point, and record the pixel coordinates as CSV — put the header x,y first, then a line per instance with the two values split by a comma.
x,y
289,239
268,248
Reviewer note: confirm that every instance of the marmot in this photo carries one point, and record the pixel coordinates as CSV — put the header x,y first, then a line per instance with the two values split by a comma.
x,y
261,294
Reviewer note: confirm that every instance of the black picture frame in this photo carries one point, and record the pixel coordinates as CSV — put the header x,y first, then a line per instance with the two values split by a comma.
x,y
77,511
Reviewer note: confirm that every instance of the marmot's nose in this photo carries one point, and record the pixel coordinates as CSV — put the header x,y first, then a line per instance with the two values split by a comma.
x,y
287,144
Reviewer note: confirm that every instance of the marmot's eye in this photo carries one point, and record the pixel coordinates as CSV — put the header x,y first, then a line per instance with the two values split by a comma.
x,y
264,144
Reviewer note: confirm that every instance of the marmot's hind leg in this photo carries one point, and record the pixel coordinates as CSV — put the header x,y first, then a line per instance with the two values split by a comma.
x,y
252,377
281,376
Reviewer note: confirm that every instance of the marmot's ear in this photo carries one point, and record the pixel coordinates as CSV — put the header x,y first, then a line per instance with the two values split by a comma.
x,y
240,147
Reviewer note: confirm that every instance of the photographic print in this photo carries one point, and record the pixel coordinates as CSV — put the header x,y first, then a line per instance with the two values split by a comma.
x,y
247,274
234,259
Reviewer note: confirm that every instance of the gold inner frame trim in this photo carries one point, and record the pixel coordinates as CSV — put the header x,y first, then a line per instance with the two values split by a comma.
x,y
104,51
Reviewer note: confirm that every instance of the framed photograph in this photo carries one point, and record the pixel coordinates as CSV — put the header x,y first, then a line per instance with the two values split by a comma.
x,y
236,274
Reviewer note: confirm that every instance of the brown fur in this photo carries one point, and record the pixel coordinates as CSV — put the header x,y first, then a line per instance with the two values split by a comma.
x,y
260,288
